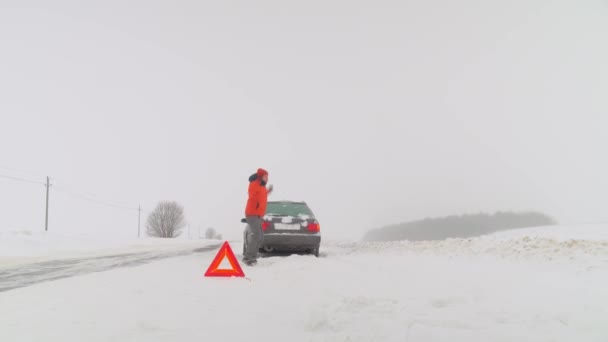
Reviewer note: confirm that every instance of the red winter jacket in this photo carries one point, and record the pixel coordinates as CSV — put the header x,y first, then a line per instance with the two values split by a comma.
x,y
258,195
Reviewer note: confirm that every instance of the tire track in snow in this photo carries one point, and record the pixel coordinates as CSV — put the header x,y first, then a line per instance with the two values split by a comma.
x,y
35,273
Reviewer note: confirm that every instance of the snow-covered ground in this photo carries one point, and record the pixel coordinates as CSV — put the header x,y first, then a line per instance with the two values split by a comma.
x,y
542,284
22,246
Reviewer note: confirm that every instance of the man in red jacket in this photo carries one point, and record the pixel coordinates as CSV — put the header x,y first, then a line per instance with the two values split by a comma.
x,y
254,212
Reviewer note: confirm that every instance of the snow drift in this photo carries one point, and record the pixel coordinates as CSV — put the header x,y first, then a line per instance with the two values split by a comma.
x,y
529,285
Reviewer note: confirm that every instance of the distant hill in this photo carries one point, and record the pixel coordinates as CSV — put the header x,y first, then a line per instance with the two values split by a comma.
x,y
458,226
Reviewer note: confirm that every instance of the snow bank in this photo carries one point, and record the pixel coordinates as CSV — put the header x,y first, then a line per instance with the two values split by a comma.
x,y
26,246
585,243
592,232
456,291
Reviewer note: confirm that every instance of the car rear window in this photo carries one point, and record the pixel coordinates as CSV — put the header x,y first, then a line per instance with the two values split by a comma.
x,y
288,209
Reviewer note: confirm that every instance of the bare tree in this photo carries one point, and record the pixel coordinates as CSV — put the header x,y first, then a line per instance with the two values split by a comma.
x,y
166,221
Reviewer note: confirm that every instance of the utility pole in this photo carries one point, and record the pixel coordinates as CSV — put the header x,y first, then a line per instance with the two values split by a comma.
x,y
46,217
138,220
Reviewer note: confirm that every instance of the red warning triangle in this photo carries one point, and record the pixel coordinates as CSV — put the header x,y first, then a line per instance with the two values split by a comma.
x,y
215,271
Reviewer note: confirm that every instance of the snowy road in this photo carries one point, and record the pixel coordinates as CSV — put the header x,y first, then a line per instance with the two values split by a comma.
x,y
524,286
34,273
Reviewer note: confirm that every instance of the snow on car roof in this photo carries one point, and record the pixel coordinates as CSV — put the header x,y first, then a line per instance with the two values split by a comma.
x,y
286,201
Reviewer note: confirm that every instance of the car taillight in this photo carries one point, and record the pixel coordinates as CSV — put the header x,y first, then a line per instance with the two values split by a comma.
x,y
314,227
265,225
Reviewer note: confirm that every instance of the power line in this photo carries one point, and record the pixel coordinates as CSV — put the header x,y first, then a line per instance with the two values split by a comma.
x,y
90,195
84,196
22,172
93,200
64,188
19,179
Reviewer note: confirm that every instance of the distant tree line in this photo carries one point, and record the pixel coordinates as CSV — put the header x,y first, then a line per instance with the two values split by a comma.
x,y
211,234
458,226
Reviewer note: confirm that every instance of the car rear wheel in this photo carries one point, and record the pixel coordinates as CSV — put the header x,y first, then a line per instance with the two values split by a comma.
x,y
315,252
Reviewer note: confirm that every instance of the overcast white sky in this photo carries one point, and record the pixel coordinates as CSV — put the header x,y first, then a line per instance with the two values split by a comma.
x,y
374,112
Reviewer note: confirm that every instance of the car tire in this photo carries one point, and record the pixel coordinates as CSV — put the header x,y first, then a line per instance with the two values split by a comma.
x,y
315,252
